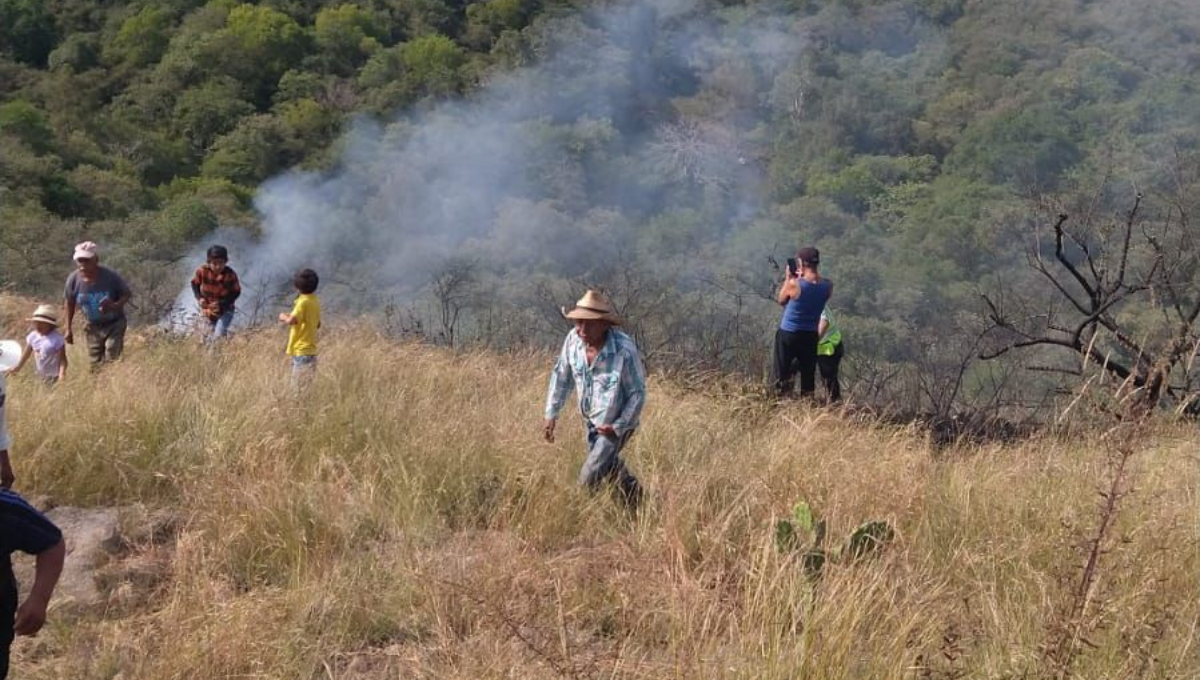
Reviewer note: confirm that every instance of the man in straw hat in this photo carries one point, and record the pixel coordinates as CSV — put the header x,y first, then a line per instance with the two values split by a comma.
x,y
605,368
102,295
46,345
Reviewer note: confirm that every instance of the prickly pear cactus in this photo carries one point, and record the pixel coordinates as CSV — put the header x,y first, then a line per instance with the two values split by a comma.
x,y
868,539
785,536
803,532
802,514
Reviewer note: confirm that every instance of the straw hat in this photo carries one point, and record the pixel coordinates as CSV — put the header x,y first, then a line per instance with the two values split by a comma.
x,y
10,354
594,305
45,314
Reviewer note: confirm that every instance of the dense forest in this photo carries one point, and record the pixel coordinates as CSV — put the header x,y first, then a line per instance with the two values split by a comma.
x,y
463,168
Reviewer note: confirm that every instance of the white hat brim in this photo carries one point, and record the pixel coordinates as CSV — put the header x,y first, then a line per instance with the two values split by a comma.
x,y
10,354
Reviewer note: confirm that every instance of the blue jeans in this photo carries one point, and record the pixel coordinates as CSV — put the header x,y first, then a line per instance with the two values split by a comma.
x,y
303,369
220,327
604,465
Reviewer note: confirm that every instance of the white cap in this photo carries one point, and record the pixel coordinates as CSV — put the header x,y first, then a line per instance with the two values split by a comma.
x,y
85,251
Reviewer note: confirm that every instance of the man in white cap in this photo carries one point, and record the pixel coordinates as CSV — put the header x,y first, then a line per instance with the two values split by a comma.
x,y
102,295
604,367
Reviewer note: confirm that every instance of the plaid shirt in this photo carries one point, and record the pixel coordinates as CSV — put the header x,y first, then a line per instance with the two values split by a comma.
x,y
215,292
612,391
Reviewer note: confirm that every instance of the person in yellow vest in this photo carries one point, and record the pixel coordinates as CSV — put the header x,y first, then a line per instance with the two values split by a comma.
x,y
829,354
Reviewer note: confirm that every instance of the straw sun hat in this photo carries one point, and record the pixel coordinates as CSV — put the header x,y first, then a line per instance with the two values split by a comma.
x,y
45,314
594,305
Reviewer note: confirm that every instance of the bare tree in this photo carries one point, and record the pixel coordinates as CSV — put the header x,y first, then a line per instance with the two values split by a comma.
x,y
455,288
1123,299
704,152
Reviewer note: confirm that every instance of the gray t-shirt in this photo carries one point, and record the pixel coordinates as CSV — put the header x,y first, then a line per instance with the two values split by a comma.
x,y
88,295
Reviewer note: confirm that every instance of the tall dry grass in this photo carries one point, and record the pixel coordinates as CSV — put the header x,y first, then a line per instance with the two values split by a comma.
x,y
404,519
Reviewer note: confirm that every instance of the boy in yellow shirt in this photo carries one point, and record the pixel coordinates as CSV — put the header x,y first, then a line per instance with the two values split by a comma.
x,y
303,322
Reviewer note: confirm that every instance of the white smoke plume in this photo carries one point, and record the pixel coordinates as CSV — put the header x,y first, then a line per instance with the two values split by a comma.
x,y
533,172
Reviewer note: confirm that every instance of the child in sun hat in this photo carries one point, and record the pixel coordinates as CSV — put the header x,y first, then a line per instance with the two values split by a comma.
x,y
46,345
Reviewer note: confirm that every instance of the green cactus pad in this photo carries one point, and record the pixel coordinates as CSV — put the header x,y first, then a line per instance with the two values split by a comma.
x,y
804,516
868,539
785,536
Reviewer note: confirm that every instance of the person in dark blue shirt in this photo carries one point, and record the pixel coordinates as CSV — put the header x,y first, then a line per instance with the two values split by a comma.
x,y
23,528
803,295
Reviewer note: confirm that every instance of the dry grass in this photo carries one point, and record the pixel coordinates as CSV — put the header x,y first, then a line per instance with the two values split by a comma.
x,y
405,520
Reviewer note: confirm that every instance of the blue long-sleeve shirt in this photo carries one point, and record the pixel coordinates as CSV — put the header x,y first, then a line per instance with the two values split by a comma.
x,y
22,528
612,391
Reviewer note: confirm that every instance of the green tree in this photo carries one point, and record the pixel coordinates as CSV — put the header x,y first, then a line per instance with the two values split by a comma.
x,y
185,220
142,38
382,80
28,123
107,193
297,84
23,173
950,234
257,45
424,17
230,203
27,31
486,21
432,65
204,113
78,52
1090,75
305,125
249,153
857,185
1026,148
32,243
345,35
941,11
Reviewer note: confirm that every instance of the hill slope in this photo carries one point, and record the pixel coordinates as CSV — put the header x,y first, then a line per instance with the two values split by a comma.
x,y
662,150
403,519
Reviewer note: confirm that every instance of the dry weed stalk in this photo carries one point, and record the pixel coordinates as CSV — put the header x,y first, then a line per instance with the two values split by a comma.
x,y
1084,610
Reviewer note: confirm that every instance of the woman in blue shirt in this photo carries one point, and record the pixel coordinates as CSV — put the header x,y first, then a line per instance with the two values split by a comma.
x,y
803,296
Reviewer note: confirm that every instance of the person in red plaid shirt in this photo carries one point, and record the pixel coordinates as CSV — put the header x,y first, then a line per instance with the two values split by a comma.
x,y
216,288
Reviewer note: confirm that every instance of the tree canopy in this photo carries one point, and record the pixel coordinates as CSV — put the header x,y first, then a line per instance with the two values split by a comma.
x,y
909,139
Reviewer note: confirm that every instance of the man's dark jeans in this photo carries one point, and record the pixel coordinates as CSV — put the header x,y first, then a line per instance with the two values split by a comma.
x,y
604,465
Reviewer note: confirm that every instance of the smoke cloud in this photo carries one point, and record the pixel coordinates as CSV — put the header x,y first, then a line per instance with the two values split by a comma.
x,y
542,169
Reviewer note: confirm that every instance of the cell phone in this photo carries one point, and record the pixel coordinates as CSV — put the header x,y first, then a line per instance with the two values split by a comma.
x,y
791,265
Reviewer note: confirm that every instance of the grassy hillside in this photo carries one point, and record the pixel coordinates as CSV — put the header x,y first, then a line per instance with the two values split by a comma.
x,y
660,150
404,519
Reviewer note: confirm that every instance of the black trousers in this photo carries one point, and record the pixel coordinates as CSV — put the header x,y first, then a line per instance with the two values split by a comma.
x,y
828,366
8,612
795,349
